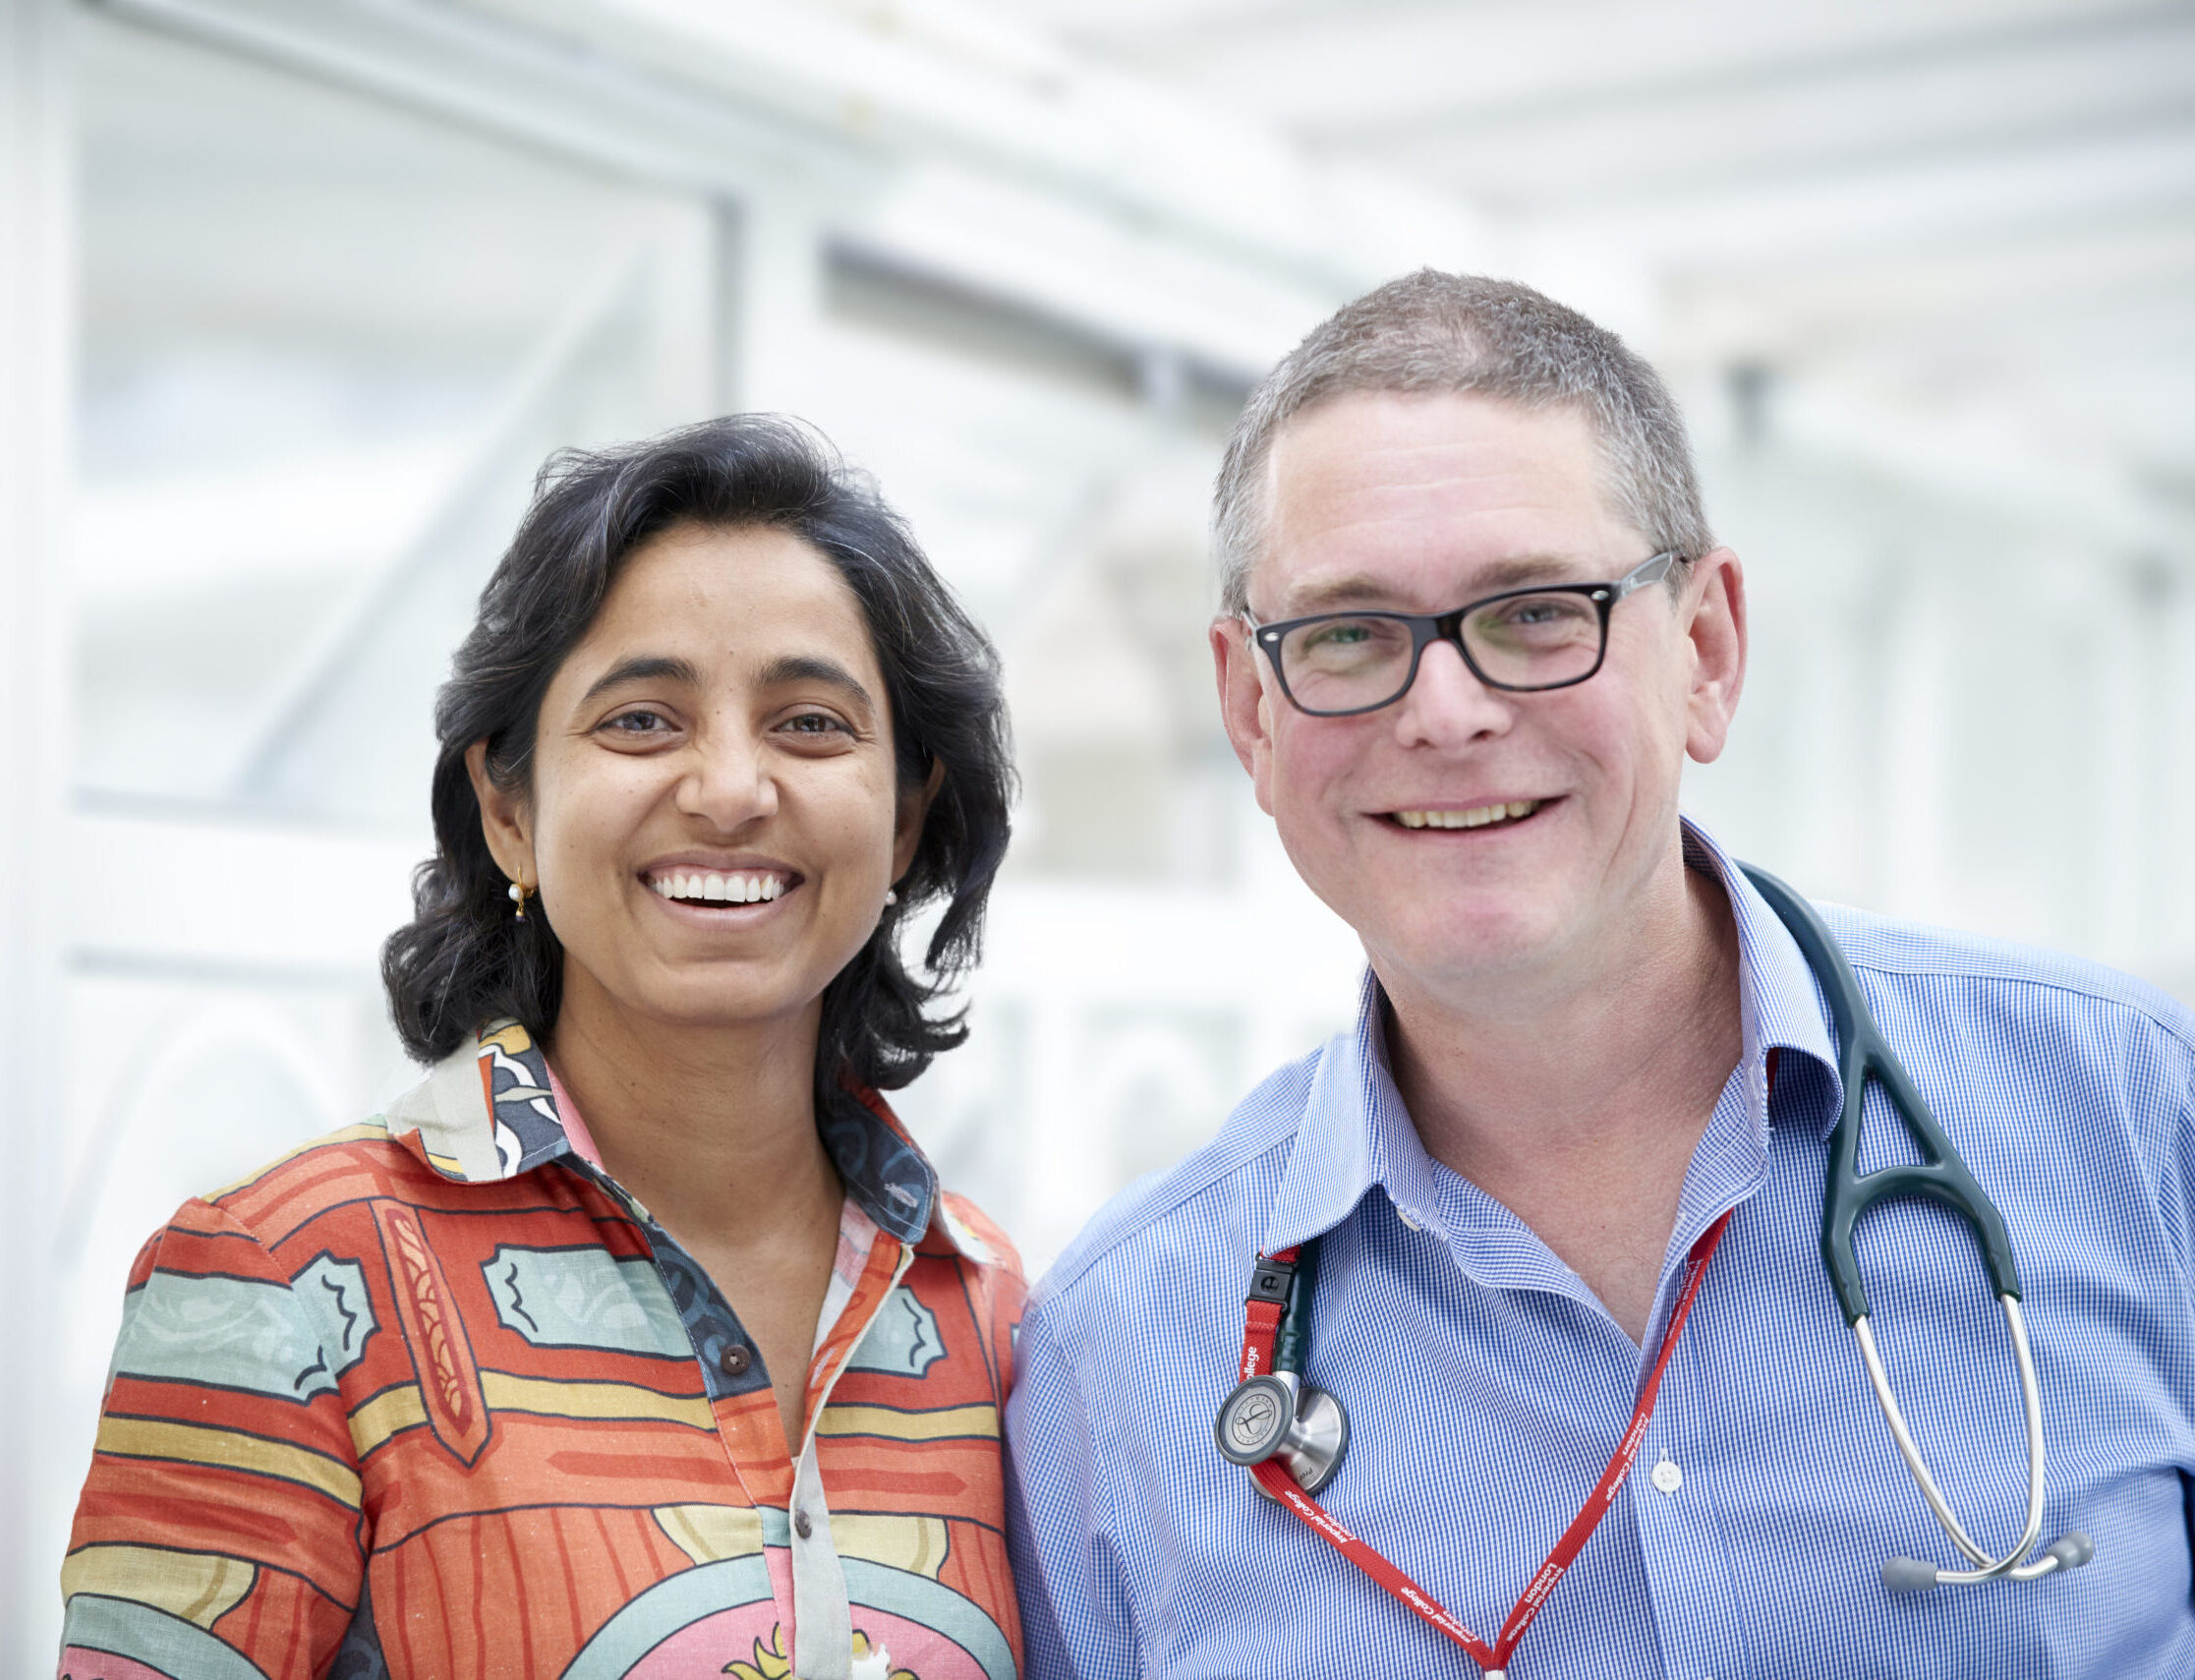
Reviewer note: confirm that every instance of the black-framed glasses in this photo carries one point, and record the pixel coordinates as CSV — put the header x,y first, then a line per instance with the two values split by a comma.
x,y
1332,664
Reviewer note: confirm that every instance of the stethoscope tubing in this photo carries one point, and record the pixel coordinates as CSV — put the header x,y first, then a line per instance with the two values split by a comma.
x,y
1849,1193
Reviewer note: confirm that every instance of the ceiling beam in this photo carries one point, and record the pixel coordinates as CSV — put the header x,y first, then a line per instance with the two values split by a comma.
x,y
2148,42
1347,67
1937,111
1893,210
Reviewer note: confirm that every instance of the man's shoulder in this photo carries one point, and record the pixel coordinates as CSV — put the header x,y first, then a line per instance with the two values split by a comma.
x,y
2002,974
1205,1207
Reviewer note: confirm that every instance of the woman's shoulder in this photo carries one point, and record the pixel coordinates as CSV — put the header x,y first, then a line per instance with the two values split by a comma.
x,y
976,1237
348,1169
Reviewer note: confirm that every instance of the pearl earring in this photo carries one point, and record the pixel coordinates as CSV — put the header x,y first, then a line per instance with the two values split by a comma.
x,y
892,895
518,894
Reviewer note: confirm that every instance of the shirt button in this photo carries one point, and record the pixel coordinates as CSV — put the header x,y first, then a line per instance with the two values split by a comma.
x,y
801,1526
1667,1476
1409,1218
735,1359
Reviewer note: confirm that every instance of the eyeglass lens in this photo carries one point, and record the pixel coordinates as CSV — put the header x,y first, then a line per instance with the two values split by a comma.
x,y
1350,662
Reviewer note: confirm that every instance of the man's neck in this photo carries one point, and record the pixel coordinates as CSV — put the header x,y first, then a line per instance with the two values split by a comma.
x,y
1581,1112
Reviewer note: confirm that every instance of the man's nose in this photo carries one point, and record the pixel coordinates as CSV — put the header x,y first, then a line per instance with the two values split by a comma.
x,y
1447,704
726,781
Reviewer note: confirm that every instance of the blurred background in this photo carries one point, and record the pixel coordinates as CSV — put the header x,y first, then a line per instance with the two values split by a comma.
x,y
296,294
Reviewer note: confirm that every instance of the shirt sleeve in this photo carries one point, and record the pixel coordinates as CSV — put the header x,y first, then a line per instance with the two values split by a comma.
x,y
1076,1618
221,1516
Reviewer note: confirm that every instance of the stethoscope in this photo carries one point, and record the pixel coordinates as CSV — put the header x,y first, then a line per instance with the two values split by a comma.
x,y
1292,1435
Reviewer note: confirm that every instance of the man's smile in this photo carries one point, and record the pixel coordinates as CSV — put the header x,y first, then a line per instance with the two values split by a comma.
x,y
1499,813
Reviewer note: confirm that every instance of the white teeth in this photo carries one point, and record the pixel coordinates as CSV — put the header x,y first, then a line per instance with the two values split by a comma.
x,y
1478,816
704,887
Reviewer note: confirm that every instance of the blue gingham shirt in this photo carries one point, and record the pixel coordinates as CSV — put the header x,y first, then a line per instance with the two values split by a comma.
x,y
1486,1386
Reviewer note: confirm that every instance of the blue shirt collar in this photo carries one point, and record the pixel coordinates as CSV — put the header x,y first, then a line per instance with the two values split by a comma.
x,y
1357,1135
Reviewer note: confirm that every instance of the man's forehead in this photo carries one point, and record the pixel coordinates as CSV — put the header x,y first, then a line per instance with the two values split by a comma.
x,y
1377,495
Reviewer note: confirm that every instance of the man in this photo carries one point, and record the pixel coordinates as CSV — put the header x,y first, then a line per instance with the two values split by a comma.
x,y
1584,1039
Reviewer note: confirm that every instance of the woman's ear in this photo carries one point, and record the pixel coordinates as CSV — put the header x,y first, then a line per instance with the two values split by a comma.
x,y
504,821
906,826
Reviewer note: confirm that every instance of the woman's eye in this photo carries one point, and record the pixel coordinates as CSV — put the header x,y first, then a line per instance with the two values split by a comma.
x,y
638,724
812,724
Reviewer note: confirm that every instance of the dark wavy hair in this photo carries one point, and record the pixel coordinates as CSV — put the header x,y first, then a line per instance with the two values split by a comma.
x,y
464,960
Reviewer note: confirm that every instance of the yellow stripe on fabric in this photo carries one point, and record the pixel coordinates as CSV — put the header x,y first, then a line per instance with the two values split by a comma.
x,y
381,1417
364,1132
953,1422
709,1534
621,1401
227,1449
200,1588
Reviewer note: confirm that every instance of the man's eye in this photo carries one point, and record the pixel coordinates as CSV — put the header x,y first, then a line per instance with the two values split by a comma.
x,y
1338,636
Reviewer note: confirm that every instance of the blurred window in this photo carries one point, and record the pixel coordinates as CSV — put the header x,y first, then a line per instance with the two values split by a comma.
x,y
326,342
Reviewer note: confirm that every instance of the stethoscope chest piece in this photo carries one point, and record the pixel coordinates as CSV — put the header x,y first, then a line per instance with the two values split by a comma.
x,y
1280,1415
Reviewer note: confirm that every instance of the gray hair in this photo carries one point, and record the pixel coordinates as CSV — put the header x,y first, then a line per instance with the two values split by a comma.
x,y
1431,332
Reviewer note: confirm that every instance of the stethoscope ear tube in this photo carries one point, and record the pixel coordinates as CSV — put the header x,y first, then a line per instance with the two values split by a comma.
x,y
1849,1193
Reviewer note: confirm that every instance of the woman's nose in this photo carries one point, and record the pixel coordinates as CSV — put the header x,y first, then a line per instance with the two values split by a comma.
x,y
726,781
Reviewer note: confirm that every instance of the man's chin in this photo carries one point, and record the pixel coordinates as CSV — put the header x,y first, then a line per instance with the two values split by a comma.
x,y
1466,950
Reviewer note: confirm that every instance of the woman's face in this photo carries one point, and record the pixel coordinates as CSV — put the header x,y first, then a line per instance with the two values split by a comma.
x,y
715,815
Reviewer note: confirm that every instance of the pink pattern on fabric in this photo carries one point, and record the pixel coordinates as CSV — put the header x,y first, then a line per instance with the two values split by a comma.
x,y
575,1126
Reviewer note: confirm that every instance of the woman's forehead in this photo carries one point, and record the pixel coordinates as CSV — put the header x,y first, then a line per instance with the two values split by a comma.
x,y
728,603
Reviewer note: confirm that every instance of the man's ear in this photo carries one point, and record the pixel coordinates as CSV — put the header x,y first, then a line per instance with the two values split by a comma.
x,y
505,822
1243,708
907,824
1715,628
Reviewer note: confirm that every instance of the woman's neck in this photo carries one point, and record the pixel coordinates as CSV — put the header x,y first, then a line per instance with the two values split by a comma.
x,y
711,1128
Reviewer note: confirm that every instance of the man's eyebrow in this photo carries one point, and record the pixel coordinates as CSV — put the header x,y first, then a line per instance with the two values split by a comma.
x,y
643,667
808,668
1362,589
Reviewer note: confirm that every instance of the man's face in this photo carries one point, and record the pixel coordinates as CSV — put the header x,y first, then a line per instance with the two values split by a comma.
x,y
1420,504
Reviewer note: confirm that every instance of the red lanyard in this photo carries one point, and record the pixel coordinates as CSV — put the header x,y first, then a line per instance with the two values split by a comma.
x,y
1263,1318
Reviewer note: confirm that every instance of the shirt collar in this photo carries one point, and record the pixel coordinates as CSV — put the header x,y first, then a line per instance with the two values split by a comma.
x,y
486,1112
1357,1135
1782,1006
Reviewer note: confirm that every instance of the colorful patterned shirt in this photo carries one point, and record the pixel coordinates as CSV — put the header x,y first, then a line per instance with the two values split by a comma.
x,y
435,1397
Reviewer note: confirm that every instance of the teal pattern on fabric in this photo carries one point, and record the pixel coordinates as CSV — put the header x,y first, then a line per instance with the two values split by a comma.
x,y
902,1340
289,1342
169,1645
585,1297
684,1599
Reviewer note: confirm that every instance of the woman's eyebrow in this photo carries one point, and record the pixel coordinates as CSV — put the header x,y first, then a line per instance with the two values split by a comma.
x,y
644,667
808,668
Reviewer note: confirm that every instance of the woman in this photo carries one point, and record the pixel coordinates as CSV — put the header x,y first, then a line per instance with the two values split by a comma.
x,y
638,1339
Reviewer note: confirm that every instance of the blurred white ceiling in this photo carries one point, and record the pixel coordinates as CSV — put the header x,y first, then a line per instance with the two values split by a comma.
x,y
1952,237
1976,214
